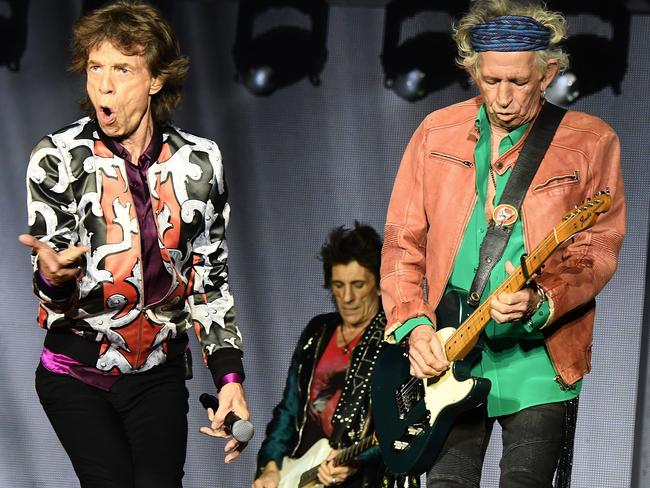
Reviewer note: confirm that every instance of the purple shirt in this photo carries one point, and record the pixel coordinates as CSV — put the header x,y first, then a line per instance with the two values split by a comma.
x,y
62,364
156,279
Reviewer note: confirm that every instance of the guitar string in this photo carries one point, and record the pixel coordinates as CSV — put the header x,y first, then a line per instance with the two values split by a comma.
x,y
548,245
507,283
412,384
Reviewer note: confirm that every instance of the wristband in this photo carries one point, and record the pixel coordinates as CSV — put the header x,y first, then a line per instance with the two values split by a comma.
x,y
45,280
230,378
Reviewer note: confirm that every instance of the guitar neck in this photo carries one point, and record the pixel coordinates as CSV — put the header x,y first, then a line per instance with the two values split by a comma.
x,y
467,333
350,453
343,457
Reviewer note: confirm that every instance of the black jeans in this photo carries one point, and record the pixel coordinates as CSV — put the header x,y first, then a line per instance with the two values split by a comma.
x,y
133,436
532,439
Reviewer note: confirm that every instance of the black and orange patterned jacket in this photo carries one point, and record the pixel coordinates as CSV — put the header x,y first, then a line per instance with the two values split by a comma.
x,y
78,194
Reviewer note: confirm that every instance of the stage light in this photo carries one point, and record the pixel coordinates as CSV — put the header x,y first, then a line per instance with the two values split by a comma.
x,y
564,90
411,85
596,61
424,62
283,54
13,33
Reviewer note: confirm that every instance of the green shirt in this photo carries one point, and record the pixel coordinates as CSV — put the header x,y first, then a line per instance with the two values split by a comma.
x,y
514,356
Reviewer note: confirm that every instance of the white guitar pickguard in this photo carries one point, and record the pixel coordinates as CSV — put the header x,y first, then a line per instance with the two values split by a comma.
x,y
293,468
446,390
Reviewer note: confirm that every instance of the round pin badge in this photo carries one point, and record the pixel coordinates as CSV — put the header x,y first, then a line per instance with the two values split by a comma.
x,y
505,214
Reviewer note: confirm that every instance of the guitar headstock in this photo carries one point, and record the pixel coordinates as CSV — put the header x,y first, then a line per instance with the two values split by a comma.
x,y
584,215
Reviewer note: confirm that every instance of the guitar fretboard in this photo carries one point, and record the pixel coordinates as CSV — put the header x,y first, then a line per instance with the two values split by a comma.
x,y
464,338
343,457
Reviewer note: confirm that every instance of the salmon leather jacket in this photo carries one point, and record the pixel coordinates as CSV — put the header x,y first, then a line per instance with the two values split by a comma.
x,y
433,198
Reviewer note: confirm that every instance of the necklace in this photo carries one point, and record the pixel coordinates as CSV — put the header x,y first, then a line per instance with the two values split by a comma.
x,y
490,197
346,343
494,181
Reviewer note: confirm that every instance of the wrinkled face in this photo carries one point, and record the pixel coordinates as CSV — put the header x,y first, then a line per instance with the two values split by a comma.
x,y
511,85
356,293
120,88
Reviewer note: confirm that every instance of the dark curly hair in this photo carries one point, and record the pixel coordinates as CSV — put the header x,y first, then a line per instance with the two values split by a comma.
x,y
134,28
361,244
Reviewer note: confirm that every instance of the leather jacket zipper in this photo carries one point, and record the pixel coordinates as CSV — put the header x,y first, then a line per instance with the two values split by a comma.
x,y
559,180
464,162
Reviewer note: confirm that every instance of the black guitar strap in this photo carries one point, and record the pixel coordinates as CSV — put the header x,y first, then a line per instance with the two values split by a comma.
x,y
498,233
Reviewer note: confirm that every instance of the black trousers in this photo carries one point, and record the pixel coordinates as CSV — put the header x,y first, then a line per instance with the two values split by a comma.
x,y
532,441
133,436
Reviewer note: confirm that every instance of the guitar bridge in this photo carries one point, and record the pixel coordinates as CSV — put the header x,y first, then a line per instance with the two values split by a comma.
x,y
407,395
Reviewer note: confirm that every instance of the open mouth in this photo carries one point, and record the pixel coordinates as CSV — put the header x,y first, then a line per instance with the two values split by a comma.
x,y
106,115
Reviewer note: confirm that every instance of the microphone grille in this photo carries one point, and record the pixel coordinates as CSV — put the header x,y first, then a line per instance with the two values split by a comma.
x,y
242,430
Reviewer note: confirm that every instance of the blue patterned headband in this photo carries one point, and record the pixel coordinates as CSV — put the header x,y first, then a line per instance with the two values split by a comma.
x,y
510,33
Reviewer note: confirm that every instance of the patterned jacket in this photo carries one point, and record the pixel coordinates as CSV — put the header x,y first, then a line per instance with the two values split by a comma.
x,y
78,194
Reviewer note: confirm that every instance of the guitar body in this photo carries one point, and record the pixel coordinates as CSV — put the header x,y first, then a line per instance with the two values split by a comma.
x,y
302,472
413,417
293,468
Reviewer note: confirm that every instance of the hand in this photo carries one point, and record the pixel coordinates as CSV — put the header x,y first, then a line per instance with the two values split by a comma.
x,y
231,399
330,475
57,267
270,477
508,307
425,353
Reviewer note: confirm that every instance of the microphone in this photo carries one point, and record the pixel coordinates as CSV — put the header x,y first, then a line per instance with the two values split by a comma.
x,y
242,430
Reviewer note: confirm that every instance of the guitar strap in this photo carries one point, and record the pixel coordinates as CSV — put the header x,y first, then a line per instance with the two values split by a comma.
x,y
499,231
352,408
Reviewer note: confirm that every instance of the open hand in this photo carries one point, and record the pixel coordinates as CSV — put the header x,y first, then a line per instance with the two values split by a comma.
x,y
231,399
56,267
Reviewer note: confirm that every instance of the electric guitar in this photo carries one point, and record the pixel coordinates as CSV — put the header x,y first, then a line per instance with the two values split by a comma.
x,y
413,417
302,472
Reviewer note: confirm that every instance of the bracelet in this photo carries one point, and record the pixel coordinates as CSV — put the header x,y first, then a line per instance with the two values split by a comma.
x,y
541,294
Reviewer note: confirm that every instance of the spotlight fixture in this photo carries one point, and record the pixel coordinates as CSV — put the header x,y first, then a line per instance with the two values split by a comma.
x,y
424,62
564,90
587,51
283,54
13,34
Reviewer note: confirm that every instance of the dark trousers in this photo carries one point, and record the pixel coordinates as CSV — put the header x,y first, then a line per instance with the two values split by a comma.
x,y
532,441
133,436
